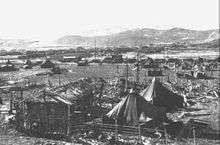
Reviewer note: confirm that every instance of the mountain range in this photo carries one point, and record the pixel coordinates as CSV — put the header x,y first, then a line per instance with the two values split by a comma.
x,y
132,37
143,36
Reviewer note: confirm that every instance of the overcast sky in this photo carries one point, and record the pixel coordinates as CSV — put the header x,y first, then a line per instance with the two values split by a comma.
x,y
49,19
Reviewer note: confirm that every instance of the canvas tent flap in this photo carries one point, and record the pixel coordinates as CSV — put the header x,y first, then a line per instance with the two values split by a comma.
x,y
133,109
116,110
148,92
162,96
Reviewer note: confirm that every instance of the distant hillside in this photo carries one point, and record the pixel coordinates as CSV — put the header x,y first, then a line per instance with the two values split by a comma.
x,y
133,37
8,44
211,44
143,36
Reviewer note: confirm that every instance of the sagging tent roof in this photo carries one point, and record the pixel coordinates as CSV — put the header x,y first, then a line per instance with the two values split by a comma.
x,y
47,64
133,109
161,96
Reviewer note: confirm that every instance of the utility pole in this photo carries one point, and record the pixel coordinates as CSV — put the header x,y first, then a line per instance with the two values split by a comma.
x,y
126,75
138,57
138,68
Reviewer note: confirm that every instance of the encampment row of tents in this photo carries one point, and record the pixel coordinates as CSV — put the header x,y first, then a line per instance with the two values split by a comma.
x,y
151,103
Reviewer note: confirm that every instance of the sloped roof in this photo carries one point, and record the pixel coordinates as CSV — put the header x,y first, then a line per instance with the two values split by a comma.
x,y
42,95
59,98
67,93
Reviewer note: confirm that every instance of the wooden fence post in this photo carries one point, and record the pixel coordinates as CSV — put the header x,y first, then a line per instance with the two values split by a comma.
x,y
165,134
68,119
194,136
116,130
139,133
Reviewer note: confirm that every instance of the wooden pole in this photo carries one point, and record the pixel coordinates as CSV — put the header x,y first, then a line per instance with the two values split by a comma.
x,y
126,77
139,133
165,133
116,130
138,69
68,119
194,136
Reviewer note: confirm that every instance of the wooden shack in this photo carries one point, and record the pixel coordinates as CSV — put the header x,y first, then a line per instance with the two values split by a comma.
x,y
55,109
47,113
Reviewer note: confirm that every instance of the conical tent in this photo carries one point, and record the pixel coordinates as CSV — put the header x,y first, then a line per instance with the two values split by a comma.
x,y
28,62
47,64
133,109
161,96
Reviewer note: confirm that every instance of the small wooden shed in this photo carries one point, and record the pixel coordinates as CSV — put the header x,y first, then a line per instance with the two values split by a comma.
x,y
48,113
